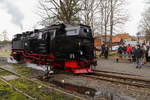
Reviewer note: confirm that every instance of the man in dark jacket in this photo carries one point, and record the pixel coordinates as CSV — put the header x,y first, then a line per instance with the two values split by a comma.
x,y
146,53
138,53
106,51
120,51
102,50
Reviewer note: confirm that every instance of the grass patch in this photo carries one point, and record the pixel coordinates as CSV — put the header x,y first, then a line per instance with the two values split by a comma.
x,y
7,93
4,73
39,92
34,89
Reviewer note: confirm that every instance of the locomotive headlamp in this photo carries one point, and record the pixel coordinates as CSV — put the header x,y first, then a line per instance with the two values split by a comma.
x,y
81,52
25,44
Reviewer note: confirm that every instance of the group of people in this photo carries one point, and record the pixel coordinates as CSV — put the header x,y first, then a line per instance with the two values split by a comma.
x,y
139,53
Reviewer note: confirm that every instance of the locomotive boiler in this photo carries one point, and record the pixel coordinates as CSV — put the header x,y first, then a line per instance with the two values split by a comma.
x,y
68,47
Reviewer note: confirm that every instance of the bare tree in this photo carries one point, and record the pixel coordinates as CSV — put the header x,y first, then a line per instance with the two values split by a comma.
x,y
111,15
102,15
89,13
117,16
145,23
105,12
53,11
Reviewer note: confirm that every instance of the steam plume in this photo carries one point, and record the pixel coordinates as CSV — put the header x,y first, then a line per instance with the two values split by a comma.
x,y
13,10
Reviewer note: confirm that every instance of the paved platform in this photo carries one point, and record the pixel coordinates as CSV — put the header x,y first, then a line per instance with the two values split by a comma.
x,y
123,67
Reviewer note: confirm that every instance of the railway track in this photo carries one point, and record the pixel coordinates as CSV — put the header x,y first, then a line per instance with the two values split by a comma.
x,y
18,90
37,81
122,78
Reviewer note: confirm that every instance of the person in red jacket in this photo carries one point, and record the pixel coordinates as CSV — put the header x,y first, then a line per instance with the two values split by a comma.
x,y
129,51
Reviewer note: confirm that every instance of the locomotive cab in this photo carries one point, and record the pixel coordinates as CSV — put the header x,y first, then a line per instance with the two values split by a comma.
x,y
76,48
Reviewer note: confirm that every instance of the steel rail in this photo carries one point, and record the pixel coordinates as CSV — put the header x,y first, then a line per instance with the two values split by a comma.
x,y
18,90
117,81
120,78
123,76
113,72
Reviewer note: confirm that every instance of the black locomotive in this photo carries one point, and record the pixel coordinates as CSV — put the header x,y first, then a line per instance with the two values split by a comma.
x,y
57,46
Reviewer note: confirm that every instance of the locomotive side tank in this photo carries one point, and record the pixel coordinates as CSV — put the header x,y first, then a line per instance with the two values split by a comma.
x,y
70,48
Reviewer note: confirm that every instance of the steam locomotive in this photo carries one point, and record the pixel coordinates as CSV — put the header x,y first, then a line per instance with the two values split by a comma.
x,y
68,47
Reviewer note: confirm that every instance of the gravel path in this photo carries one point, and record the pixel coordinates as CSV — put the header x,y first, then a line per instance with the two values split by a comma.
x,y
126,67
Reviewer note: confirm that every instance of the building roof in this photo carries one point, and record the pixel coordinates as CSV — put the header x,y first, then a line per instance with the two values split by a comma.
x,y
124,35
119,37
116,39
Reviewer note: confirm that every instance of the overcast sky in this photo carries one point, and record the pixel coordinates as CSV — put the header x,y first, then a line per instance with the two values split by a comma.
x,y
135,9
20,15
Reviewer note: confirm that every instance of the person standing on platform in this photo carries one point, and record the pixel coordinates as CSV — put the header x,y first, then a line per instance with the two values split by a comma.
x,y
143,47
146,53
124,51
102,50
133,55
106,51
129,51
148,58
138,52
